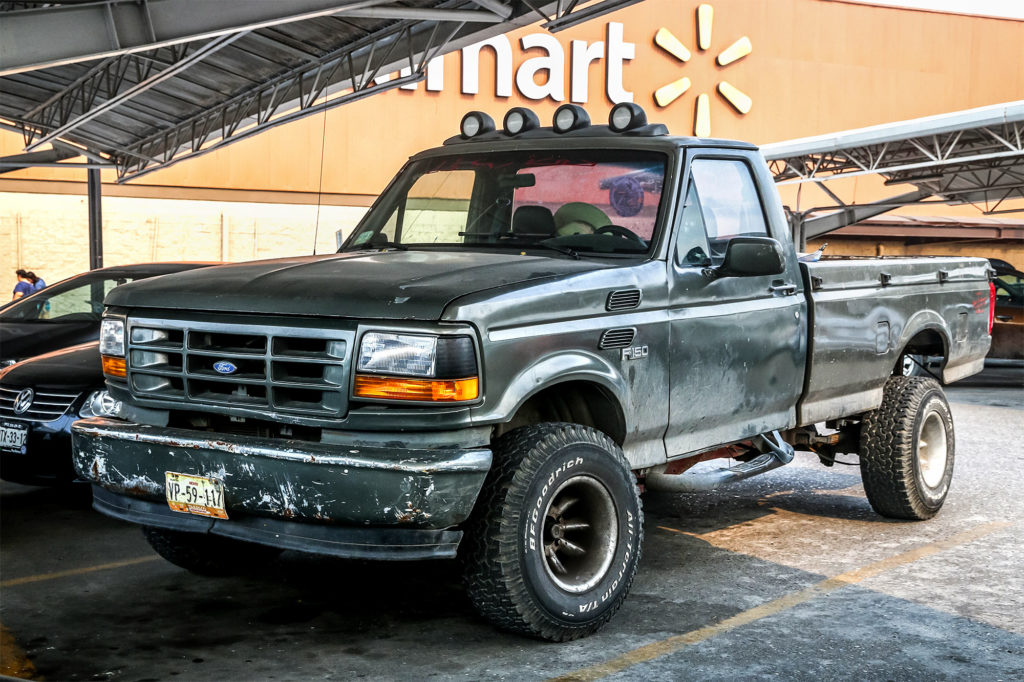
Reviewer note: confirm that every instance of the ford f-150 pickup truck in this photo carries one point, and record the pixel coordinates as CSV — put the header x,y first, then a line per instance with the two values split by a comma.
x,y
528,327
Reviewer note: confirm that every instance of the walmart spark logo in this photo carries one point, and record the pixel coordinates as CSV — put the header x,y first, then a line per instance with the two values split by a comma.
x,y
667,94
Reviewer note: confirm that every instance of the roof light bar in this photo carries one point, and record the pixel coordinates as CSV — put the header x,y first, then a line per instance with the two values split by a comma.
x,y
476,123
570,117
519,119
626,116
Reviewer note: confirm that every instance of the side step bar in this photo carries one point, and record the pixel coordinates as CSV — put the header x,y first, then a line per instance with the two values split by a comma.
x,y
779,453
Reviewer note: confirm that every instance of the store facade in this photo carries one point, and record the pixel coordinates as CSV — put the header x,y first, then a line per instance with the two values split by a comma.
x,y
760,70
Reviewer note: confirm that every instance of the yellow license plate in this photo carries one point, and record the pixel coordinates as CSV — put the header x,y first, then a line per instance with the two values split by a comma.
x,y
195,495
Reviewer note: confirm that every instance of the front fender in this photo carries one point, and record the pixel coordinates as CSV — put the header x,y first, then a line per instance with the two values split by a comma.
x,y
549,370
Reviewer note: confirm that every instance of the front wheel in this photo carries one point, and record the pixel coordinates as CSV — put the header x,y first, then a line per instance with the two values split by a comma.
x,y
907,449
555,538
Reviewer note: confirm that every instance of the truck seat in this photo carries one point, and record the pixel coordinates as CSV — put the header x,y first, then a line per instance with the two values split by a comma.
x,y
533,221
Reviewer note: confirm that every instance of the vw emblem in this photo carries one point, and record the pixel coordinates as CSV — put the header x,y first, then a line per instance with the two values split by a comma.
x,y
225,367
24,401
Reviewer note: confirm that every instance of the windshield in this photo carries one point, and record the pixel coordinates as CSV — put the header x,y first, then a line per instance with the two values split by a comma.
x,y
75,299
1009,288
600,202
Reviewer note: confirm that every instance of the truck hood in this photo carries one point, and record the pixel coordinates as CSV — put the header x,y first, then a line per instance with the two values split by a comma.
x,y
410,285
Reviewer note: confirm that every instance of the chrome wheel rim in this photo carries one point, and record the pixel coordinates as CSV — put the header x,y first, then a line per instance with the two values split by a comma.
x,y
908,365
931,450
580,534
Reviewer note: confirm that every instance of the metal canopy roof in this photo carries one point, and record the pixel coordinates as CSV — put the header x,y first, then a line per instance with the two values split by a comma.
x,y
141,84
974,156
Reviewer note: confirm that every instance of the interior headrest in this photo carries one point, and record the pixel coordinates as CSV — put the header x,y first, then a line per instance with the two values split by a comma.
x,y
534,221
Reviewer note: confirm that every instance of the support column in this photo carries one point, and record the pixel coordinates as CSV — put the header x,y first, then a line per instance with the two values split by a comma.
x,y
95,220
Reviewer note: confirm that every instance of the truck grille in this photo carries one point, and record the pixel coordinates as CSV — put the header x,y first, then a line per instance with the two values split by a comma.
x,y
265,368
46,405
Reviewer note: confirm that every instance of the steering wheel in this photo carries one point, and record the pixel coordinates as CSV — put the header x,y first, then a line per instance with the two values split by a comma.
x,y
620,231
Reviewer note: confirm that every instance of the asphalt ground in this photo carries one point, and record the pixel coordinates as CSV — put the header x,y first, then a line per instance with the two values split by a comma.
x,y
790,575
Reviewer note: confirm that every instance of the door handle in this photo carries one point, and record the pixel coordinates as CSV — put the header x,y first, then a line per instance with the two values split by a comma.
x,y
782,289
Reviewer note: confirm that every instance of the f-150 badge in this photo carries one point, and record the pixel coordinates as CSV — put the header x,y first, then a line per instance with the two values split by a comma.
x,y
635,352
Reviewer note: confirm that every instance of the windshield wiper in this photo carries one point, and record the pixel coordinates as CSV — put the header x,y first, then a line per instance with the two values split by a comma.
x,y
381,247
560,249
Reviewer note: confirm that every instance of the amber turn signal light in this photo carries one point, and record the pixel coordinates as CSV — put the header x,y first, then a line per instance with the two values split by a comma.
x,y
427,390
114,367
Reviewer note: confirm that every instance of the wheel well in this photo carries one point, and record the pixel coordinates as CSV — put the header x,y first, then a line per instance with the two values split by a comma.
x,y
926,342
577,402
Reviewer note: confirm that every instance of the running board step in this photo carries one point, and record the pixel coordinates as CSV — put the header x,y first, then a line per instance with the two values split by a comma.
x,y
779,453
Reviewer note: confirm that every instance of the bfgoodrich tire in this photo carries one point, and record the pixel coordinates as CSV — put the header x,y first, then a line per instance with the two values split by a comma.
x,y
555,538
207,555
907,449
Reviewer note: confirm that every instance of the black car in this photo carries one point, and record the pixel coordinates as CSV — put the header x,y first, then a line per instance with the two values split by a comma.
x,y
68,312
39,398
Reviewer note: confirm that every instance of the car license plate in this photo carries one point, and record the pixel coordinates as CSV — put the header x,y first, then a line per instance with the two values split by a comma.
x,y
13,436
195,495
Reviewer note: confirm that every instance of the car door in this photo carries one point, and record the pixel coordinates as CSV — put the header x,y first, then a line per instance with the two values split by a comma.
x,y
737,344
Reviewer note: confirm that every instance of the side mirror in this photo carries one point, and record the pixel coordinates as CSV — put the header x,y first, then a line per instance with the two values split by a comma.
x,y
752,257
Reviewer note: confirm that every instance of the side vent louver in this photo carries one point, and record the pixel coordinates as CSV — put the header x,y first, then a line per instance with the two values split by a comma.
x,y
623,300
617,338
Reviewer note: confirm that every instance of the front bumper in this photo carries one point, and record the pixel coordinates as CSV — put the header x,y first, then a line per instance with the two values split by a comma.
x,y
388,487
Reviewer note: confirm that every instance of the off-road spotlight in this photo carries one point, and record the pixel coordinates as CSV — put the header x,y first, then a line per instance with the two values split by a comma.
x,y
570,117
626,116
519,119
476,123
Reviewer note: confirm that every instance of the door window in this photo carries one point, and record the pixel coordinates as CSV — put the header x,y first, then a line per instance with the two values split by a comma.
x,y
691,240
729,203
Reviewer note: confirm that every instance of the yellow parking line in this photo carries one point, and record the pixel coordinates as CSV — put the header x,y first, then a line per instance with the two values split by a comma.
x,y
76,571
13,661
677,642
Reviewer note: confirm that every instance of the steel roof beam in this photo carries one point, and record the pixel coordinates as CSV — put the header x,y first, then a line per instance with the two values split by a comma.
x,y
81,32
137,89
848,215
341,76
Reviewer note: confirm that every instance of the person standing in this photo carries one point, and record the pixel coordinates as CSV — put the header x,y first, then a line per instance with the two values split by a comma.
x,y
24,285
37,282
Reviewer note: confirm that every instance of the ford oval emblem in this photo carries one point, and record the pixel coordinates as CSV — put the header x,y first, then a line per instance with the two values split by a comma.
x,y
225,367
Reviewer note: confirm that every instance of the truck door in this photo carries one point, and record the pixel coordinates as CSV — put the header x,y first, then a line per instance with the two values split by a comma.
x,y
737,344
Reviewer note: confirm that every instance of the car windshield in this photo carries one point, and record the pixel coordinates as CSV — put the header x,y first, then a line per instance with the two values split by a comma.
x,y
1009,288
75,299
569,202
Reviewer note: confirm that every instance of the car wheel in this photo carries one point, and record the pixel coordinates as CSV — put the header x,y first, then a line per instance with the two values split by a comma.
x,y
206,554
907,449
554,541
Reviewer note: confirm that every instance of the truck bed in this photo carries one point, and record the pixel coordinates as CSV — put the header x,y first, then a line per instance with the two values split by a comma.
x,y
864,313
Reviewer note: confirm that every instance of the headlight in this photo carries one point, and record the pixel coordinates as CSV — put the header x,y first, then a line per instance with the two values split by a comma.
x,y
112,337
100,404
112,347
416,367
398,354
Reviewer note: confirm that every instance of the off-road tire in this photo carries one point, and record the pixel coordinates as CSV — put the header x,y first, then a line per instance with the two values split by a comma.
x,y
906,477
511,579
205,554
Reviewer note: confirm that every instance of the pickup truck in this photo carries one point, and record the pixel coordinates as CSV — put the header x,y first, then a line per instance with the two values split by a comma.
x,y
529,327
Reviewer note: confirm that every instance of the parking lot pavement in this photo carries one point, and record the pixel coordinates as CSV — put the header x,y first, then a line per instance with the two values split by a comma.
x,y
787,575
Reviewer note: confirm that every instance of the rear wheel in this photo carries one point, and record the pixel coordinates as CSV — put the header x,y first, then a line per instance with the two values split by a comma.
x,y
554,542
907,450
205,554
